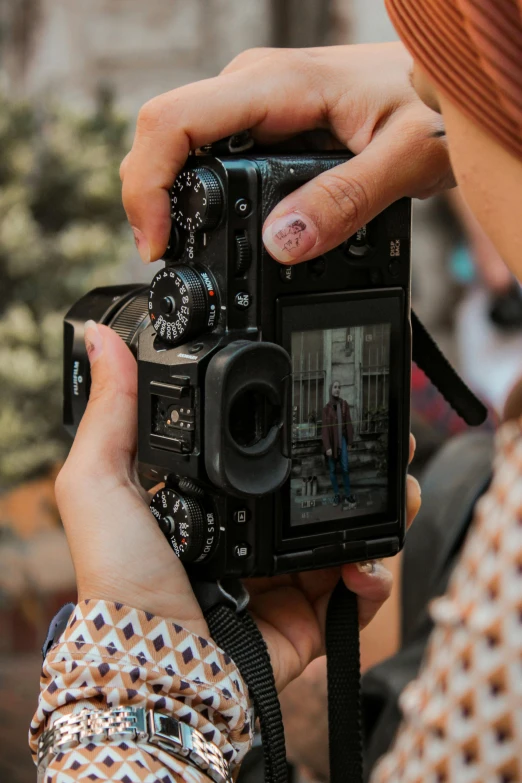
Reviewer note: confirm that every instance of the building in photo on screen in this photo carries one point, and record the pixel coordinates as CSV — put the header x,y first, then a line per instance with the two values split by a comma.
x,y
340,401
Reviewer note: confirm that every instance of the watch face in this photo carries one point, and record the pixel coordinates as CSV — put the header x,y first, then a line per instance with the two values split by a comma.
x,y
167,727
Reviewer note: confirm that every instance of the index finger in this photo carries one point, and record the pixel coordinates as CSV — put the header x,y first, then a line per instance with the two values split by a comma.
x,y
189,117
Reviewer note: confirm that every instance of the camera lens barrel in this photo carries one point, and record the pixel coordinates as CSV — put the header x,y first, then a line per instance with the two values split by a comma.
x,y
125,309
130,318
181,303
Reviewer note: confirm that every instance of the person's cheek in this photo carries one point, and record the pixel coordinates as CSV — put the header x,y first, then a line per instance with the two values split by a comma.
x,y
490,181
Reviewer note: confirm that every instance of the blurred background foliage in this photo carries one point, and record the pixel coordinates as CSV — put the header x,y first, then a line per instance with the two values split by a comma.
x,y
63,231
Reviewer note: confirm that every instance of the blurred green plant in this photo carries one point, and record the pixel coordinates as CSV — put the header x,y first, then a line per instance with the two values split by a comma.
x,y
62,232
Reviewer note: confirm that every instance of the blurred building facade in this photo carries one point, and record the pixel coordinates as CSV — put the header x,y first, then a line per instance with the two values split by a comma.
x,y
67,49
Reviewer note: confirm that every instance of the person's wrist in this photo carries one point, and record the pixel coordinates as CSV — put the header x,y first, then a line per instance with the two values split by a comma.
x,y
162,606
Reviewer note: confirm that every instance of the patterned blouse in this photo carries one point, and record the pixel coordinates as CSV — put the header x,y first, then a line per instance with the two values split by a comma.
x,y
462,716
111,655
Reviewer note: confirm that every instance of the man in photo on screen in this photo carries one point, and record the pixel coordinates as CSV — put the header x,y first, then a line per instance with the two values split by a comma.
x,y
337,434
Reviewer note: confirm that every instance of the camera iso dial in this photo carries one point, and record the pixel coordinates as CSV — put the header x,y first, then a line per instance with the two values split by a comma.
x,y
182,303
196,200
188,527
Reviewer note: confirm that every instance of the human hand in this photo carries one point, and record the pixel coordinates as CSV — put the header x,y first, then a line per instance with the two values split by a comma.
x,y
329,452
362,94
120,554
118,550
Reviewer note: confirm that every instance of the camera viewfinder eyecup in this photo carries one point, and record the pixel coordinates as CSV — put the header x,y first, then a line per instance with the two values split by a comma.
x,y
246,441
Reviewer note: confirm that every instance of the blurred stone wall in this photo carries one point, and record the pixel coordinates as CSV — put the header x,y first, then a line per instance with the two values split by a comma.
x,y
67,48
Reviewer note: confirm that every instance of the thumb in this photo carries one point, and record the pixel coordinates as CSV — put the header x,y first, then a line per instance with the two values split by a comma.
x,y
106,438
328,209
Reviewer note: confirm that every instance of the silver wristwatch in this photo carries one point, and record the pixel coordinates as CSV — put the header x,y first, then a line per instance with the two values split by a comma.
x,y
135,723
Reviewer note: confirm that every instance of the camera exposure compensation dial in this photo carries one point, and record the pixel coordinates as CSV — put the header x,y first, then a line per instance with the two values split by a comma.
x,y
182,303
196,200
189,529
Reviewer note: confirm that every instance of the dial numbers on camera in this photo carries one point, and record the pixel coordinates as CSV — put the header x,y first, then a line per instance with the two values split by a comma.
x,y
196,200
190,529
182,303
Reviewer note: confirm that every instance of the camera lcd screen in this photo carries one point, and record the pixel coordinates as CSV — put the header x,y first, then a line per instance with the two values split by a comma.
x,y
340,422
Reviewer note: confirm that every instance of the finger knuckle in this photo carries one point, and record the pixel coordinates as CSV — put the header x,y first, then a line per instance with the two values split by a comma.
x,y
152,115
349,197
131,193
148,116
248,57
294,61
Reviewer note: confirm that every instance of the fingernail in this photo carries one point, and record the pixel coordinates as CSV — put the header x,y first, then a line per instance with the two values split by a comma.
x,y
142,244
366,567
93,340
290,237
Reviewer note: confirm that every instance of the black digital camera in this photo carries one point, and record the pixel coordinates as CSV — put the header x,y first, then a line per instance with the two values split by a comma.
x,y
273,400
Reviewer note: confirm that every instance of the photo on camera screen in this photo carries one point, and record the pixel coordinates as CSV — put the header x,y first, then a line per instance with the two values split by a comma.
x,y
340,404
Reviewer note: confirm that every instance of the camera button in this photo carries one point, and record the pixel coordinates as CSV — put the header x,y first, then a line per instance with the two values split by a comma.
x,y
243,254
358,251
243,207
243,300
360,238
286,273
241,551
241,515
358,246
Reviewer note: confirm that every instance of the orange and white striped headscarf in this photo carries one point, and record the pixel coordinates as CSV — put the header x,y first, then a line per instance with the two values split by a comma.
x,y
472,52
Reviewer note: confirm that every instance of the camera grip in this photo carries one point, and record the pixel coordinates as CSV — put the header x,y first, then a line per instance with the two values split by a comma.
x,y
285,173
246,432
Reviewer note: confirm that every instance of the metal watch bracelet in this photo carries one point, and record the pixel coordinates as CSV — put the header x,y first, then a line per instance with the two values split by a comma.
x,y
132,723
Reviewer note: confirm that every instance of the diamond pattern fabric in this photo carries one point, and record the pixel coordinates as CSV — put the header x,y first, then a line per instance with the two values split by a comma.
x,y
112,655
463,715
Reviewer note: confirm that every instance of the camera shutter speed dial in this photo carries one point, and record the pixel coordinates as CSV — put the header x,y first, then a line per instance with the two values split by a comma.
x,y
189,529
196,200
182,303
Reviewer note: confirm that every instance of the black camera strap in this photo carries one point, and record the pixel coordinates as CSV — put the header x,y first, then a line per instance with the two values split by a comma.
x,y
344,687
224,605
429,358
240,637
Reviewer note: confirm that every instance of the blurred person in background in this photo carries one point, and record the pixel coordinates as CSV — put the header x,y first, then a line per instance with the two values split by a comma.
x,y
130,588
488,319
